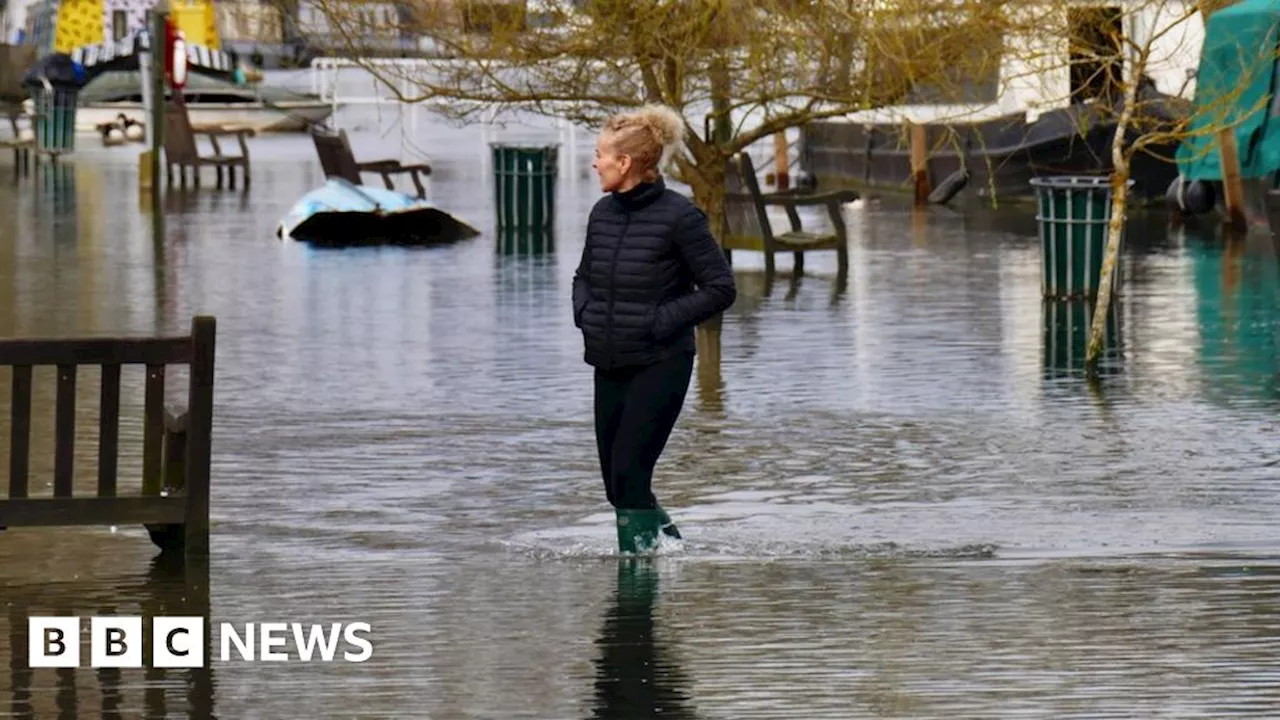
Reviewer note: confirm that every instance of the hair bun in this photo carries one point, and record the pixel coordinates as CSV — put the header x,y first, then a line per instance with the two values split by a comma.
x,y
651,134
666,124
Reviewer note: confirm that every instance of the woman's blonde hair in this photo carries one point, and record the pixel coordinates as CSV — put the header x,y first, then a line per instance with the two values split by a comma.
x,y
651,135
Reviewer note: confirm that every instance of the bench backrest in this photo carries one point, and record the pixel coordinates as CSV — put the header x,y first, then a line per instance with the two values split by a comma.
x,y
179,140
110,354
744,211
336,158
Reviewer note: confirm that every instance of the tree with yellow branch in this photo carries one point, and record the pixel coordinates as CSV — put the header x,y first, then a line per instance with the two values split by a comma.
x,y
1233,88
1151,35
738,71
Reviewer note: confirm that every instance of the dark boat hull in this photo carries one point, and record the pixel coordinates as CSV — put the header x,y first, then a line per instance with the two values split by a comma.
x,y
1002,155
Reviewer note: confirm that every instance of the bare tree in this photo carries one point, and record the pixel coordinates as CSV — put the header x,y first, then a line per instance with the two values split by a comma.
x,y
1114,67
739,71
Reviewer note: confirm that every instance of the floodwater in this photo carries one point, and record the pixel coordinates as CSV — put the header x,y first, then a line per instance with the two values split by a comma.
x,y
901,499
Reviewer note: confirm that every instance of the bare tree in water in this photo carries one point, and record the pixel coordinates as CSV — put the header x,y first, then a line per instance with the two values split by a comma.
x,y
1127,62
739,71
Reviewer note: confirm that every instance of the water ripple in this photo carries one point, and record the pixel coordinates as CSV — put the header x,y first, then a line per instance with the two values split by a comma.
x,y
900,498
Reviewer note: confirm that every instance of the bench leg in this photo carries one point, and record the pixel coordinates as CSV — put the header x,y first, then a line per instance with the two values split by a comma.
x,y
799,264
219,174
842,258
768,260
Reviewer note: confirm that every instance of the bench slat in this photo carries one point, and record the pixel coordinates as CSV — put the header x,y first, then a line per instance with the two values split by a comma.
x,y
20,431
51,512
802,238
65,433
153,430
96,351
109,430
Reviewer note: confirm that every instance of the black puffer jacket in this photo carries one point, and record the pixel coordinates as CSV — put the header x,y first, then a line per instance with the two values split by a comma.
x,y
650,272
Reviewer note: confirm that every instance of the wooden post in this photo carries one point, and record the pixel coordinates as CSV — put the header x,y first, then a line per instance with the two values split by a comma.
x,y
781,161
1232,183
175,451
199,432
159,18
920,164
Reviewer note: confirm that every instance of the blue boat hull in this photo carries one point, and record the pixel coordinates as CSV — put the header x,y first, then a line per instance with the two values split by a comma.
x,y
339,213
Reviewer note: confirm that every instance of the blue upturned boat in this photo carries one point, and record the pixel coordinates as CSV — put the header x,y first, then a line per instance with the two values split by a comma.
x,y
340,213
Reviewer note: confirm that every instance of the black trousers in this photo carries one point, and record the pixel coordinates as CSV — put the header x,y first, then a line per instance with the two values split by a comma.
x,y
636,408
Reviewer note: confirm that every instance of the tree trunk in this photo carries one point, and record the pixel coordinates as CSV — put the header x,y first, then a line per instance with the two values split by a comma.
x,y
707,183
708,194
1115,231
1115,228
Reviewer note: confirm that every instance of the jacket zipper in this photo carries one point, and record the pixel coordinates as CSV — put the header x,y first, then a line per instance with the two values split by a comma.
x,y
613,283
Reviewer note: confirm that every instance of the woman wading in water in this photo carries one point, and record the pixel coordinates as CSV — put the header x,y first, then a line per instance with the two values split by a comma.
x,y
650,272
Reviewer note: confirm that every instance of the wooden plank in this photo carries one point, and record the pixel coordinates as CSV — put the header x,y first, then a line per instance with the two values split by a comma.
x,y
64,433
20,431
920,164
108,430
1232,183
96,351
52,512
781,161
175,451
743,242
199,436
153,430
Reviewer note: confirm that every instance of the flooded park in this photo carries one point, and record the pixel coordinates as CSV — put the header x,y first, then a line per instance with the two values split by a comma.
x,y
900,498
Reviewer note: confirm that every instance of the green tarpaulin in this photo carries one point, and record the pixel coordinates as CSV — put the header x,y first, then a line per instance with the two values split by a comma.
x,y
1235,84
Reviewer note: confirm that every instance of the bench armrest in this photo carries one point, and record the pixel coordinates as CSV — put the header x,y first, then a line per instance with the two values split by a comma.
x,y
392,166
789,200
387,168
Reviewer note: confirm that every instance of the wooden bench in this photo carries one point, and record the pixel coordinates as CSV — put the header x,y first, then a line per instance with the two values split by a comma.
x,y
181,151
175,447
746,211
337,160
22,148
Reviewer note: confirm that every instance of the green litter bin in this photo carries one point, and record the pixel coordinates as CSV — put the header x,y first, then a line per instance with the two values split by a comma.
x,y
55,118
1073,214
519,241
525,186
1067,326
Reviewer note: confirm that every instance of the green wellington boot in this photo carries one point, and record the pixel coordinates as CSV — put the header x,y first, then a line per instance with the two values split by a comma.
x,y
667,524
638,530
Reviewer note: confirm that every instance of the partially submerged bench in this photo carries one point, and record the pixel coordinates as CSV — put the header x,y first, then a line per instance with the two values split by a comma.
x,y
746,210
22,147
181,150
337,160
173,502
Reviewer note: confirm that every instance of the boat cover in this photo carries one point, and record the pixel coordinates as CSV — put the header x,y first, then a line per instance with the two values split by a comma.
x,y
123,55
1236,83
342,213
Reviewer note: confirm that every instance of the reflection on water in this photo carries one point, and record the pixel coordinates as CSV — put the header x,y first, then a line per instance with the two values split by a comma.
x,y
637,675
900,497
1236,292
1068,325
165,588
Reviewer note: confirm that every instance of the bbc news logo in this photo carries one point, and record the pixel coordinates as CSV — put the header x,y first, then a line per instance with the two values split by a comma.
x,y
179,642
